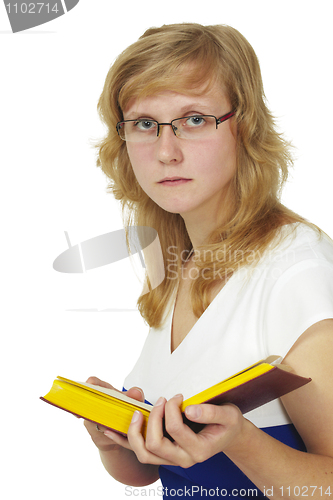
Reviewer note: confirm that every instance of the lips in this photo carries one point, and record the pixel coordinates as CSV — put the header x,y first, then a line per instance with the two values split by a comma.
x,y
174,180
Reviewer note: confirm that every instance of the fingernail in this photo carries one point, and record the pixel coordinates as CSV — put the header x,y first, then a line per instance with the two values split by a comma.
x,y
159,402
140,390
135,416
177,396
110,434
193,411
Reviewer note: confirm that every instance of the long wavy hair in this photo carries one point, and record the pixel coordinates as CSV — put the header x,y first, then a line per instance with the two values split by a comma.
x,y
184,58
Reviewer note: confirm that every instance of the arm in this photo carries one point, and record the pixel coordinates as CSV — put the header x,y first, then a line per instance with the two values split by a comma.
x,y
119,460
267,462
311,410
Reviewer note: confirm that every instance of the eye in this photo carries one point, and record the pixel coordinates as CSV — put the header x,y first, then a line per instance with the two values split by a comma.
x,y
195,121
145,125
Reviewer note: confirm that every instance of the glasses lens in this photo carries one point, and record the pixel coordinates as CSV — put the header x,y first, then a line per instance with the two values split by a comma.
x,y
194,127
121,130
138,130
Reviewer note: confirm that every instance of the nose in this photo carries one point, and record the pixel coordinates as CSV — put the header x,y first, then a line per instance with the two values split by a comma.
x,y
168,146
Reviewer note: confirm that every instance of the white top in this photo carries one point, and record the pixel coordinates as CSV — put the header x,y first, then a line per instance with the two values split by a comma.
x,y
262,310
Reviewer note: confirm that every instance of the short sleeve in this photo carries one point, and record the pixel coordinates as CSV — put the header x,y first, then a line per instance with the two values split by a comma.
x,y
302,296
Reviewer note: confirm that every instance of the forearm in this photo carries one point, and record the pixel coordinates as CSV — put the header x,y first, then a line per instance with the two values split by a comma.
x,y
117,457
122,464
280,471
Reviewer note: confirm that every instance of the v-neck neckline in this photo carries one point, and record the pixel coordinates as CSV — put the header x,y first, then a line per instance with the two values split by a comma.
x,y
238,273
200,319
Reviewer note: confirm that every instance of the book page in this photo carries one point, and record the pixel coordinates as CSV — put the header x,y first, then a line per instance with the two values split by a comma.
x,y
108,392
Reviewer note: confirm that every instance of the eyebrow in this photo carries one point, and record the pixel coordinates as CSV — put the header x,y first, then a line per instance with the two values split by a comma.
x,y
196,105
183,110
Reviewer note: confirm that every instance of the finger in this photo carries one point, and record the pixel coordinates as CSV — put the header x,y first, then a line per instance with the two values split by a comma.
x,y
93,428
156,440
138,444
134,434
135,393
101,383
156,418
117,438
185,440
101,441
223,426
174,422
213,414
155,430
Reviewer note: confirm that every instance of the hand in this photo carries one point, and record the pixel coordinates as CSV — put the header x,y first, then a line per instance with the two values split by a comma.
x,y
102,441
224,430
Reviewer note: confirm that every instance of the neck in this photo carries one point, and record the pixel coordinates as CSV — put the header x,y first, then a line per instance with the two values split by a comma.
x,y
201,225
200,229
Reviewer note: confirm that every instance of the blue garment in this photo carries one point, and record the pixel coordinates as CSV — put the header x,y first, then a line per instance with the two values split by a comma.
x,y
219,473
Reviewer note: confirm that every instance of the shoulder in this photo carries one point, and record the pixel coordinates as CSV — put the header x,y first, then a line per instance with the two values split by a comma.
x,y
299,254
295,243
295,250
297,288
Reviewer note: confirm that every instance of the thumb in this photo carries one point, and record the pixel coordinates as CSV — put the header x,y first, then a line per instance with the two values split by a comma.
x,y
212,414
136,393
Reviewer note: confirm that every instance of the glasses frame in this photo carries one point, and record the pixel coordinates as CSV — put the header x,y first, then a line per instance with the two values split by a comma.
x,y
174,129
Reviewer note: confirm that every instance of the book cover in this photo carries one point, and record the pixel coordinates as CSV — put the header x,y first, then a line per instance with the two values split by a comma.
x,y
253,387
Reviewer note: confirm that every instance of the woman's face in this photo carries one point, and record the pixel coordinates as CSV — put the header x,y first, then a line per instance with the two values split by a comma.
x,y
184,176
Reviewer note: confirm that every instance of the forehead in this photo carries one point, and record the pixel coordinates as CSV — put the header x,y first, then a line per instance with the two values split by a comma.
x,y
169,103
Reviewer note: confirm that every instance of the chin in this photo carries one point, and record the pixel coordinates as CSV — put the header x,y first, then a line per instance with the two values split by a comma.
x,y
173,208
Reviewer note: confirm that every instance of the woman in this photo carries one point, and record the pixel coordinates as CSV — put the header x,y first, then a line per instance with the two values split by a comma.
x,y
192,152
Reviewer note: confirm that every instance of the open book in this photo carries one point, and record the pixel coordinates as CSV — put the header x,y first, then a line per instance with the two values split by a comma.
x,y
256,385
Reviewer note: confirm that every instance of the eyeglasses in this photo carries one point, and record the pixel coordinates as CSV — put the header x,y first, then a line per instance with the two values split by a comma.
x,y
187,127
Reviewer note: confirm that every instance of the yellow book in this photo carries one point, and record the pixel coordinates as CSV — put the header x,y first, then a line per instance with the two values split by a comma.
x,y
248,389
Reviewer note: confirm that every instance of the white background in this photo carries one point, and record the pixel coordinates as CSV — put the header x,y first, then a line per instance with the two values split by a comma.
x,y
51,78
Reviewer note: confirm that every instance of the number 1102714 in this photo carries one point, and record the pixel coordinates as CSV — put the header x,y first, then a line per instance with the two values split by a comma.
x,y
305,491
32,7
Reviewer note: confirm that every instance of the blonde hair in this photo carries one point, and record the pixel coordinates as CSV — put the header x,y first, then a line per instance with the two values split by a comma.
x,y
184,58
